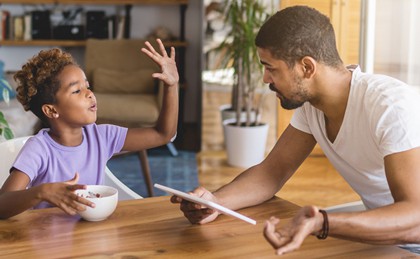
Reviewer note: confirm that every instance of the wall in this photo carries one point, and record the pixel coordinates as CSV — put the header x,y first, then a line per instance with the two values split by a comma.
x,y
396,51
144,19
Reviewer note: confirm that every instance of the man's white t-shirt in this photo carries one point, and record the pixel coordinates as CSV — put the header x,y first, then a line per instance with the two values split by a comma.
x,y
382,117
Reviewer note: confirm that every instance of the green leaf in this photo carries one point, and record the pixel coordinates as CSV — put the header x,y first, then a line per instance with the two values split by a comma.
x,y
3,119
5,83
6,96
8,134
4,128
5,92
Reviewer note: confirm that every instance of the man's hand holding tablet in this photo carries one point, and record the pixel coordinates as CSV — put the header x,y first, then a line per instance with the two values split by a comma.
x,y
205,212
197,213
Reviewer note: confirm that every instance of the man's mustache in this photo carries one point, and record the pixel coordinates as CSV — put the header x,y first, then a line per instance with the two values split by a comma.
x,y
272,88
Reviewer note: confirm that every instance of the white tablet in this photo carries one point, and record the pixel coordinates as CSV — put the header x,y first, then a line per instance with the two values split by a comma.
x,y
205,203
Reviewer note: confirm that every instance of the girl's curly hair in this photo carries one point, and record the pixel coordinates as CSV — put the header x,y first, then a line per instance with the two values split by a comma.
x,y
37,82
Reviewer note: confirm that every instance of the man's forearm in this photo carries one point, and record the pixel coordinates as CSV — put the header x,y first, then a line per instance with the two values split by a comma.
x,y
394,224
251,187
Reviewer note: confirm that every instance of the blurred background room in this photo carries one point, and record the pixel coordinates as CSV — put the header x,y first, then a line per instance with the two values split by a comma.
x,y
380,35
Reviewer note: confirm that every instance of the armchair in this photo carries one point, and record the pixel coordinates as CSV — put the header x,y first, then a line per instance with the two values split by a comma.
x,y
126,93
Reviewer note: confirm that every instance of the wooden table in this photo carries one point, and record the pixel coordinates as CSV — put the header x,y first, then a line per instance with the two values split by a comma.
x,y
153,227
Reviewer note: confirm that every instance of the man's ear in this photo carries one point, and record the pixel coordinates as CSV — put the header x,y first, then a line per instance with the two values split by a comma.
x,y
309,66
49,111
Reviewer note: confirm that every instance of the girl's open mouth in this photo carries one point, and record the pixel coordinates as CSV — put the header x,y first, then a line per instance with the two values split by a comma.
x,y
93,107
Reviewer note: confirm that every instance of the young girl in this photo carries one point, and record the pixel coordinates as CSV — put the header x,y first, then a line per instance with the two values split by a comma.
x,y
73,151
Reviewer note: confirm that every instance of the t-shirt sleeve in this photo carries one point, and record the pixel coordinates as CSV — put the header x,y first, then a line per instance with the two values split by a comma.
x,y
397,127
114,136
30,160
299,120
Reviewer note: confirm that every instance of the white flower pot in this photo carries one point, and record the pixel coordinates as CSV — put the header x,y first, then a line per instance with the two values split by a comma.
x,y
245,146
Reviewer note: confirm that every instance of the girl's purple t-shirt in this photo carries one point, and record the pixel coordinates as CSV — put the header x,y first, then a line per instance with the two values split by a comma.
x,y
46,161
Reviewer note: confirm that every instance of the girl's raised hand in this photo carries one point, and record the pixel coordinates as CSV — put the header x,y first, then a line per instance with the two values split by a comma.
x,y
169,72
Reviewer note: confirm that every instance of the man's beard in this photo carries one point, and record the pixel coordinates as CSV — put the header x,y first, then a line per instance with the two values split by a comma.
x,y
290,104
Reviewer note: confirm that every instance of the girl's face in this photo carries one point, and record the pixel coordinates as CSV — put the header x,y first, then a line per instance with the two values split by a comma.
x,y
76,104
284,81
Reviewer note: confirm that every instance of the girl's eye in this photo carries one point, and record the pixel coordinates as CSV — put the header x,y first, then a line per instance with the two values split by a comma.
x,y
76,92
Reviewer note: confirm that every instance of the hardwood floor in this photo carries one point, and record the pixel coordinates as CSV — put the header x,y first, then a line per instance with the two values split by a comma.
x,y
316,181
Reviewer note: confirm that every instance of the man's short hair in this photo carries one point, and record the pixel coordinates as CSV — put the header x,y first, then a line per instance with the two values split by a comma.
x,y
299,31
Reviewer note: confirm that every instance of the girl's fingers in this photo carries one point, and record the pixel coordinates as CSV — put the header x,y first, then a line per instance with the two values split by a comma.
x,y
151,49
75,187
162,48
173,53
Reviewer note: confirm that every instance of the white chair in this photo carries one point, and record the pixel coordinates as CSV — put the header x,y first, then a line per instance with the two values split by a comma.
x,y
10,149
8,152
347,207
124,193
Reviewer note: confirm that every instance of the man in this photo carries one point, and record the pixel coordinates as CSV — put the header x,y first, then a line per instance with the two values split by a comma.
x,y
367,125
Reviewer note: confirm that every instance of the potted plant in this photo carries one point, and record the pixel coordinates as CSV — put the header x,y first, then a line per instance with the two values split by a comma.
x,y
244,17
5,131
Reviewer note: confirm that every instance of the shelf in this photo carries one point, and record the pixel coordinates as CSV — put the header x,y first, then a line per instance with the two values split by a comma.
x,y
180,44
97,2
128,5
69,43
64,43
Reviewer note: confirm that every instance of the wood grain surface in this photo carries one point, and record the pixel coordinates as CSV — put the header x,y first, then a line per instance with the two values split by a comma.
x,y
155,228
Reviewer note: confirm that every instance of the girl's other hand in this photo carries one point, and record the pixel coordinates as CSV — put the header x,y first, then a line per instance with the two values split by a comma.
x,y
63,195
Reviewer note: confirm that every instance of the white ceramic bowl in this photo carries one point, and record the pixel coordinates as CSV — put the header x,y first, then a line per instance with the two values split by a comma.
x,y
105,203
